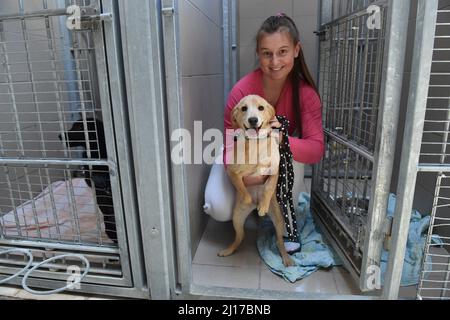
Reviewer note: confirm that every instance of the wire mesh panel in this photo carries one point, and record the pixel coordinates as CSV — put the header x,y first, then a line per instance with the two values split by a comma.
x,y
46,83
351,65
435,275
435,157
344,7
345,181
65,211
56,190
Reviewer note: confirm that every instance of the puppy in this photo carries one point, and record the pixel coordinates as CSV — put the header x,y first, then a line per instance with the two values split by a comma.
x,y
251,117
99,175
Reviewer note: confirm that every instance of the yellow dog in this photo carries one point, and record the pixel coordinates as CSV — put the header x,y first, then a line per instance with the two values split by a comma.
x,y
256,152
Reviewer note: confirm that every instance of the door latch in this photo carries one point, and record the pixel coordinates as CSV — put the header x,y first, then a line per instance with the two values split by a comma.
x,y
84,18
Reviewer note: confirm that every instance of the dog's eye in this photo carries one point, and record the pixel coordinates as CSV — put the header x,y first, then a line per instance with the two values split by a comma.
x,y
244,109
261,108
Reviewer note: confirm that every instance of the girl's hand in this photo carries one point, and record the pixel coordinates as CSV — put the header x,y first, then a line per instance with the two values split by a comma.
x,y
276,124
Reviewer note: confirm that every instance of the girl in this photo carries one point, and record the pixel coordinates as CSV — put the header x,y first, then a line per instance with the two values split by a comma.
x,y
283,79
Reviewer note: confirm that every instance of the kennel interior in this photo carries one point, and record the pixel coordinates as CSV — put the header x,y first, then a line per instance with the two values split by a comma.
x,y
364,74
65,184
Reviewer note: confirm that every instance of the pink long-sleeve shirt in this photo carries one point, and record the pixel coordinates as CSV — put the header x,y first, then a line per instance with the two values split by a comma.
x,y
310,148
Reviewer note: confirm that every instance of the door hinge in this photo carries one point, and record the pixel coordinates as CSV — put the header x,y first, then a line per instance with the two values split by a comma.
x,y
168,11
321,34
84,18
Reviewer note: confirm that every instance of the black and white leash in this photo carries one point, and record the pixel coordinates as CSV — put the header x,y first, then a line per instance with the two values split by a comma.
x,y
285,183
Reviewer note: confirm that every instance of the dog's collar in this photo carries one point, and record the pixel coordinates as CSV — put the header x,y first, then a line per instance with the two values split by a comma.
x,y
241,133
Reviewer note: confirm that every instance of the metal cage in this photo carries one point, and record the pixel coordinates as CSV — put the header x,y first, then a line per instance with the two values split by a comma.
x,y
358,76
435,152
60,187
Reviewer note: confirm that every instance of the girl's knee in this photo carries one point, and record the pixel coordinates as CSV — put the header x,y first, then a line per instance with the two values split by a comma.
x,y
218,211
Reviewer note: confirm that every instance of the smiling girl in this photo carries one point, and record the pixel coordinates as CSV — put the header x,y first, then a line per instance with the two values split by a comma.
x,y
283,79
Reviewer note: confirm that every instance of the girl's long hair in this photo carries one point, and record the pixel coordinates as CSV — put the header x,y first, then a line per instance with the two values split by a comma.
x,y
283,23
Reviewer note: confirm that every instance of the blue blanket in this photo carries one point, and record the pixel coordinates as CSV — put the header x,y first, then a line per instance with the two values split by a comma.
x,y
316,254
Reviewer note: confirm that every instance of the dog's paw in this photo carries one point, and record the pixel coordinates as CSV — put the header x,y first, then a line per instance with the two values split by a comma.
x,y
263,209
225,253
287,261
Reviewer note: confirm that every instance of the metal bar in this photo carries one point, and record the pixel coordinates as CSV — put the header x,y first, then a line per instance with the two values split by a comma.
x,y
47,162
326,11
433,168
48,13
430,232
226,48
106,105
386,134
359,137
147,107
183,259
353,15
417,101
34,14
58,246
349,144
198,291
113,46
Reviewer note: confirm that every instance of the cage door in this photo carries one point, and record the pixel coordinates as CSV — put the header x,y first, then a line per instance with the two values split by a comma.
x,y
60,188
360,81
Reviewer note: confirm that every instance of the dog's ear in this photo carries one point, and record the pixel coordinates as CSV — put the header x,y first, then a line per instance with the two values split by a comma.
x,y
271,110
234,114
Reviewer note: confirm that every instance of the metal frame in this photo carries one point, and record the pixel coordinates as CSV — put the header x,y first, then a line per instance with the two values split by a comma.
x,y
415,118
183,287
113,102
380,152
145,87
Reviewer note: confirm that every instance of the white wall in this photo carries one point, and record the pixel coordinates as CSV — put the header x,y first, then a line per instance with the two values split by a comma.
x,y
202,79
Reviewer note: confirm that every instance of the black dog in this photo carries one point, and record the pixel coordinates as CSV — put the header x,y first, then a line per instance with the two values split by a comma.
x,y
99,175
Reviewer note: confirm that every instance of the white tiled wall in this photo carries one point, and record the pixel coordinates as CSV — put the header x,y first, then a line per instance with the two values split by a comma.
x,y
252,13
202,82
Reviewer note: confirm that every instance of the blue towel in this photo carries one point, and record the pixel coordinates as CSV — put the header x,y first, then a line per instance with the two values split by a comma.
x,y
316,254
415,245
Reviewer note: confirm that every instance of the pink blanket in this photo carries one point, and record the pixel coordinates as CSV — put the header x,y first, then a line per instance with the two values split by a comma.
x,y
71,216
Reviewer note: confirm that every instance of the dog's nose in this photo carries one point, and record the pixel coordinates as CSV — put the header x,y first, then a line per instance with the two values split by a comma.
x,y
253,121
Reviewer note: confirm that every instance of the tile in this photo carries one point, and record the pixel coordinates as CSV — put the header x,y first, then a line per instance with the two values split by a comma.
x,y
248,30
251,9
305,8
234,277
345,282
211,8
101,298
273,7
408,292
306,26
28,296
219,235
8,291
247,60
201,46
321,281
